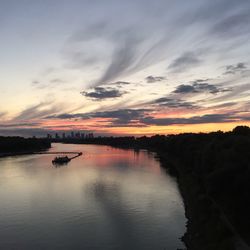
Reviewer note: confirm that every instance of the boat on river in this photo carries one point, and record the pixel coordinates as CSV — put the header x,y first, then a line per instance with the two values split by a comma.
x,y
61,160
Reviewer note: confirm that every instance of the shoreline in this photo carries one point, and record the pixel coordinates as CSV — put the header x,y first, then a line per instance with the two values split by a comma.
x,y
207,226
9,154
14,146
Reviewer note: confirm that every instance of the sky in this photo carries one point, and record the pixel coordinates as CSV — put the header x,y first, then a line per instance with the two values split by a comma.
x,y
134,67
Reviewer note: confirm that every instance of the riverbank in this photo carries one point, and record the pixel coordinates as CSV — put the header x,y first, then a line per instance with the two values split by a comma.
x,y
207,226
11,146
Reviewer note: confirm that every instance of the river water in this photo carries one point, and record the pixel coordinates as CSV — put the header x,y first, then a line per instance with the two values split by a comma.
x,y
106,199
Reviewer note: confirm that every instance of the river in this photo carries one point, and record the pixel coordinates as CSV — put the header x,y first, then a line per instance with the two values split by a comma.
x,y
106,199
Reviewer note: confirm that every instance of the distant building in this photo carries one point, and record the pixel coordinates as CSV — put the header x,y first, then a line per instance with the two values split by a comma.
x,y
49,136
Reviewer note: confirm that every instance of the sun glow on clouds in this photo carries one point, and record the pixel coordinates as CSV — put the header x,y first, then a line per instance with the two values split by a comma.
x,y
170,67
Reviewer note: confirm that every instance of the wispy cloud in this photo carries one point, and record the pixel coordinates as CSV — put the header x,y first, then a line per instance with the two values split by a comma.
x,y
185,62
38,111
209,118
2,114
20,125
233,25
235,93
233,69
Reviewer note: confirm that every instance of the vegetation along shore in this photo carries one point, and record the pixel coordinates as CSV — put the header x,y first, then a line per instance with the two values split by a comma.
x,y
17,145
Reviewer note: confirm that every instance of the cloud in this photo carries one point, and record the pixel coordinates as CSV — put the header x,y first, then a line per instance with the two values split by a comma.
x,y
152,79
184,89
233,25
233,69
2,114
57,81
186,61
118,84
236,92
174,103
123,55
121,117
101,93
38,111
121,83
122,42
18,125
131,45
140,118
198,87
209,118
35,82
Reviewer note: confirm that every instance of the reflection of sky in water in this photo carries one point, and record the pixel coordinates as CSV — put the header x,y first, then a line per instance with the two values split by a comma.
x,y
106,199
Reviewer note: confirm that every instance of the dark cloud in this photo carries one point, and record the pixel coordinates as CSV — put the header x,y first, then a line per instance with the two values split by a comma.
x,y
209,118
185,62
101,93
199,87
237,68
152,79
174,103
18,125
184,89
119,117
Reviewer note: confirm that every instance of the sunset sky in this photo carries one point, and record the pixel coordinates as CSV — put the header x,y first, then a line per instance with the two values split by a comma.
x,y
124,67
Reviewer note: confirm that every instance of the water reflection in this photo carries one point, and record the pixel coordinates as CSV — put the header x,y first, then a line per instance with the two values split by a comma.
x,y
58,165
106,199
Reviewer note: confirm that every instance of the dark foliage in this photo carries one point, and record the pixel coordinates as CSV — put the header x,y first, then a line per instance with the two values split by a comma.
x,y
19,144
